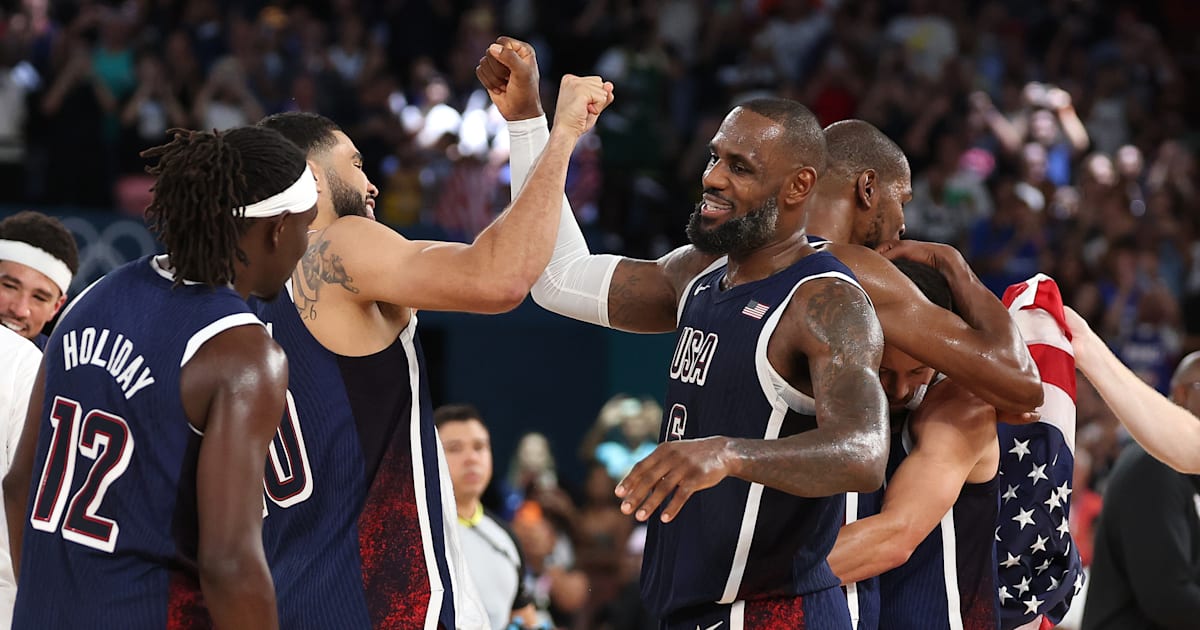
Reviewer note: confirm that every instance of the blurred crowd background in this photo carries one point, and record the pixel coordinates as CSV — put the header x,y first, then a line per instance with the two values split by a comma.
x,y
1045,135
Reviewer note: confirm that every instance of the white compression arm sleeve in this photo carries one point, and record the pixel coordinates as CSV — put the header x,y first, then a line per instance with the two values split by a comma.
x,y
576,282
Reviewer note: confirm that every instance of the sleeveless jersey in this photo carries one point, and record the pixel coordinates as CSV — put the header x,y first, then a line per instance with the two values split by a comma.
x,y
355,527
949,581
111,533
737,540
1039,567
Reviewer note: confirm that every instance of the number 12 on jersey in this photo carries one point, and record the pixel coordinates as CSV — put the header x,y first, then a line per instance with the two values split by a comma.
x,y
102,437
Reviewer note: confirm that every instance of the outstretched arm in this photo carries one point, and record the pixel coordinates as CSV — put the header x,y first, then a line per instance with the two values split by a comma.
x,y
234,391
602,289
955,435
831,323
983,350
1168,432
490,275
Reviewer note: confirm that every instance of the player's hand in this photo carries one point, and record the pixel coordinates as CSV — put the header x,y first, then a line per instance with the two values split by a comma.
x,y
580,101
509,72
682,467
1082,337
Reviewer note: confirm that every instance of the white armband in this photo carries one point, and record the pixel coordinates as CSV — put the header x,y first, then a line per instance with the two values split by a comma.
x,y
576,282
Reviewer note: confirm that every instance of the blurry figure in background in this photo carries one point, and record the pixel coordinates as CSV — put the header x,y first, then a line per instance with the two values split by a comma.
x,y
626,611
1049,120
1151,344
558,591
601,535
626,430
38,260
1010,245
1145,573
496,563
533,479
226,101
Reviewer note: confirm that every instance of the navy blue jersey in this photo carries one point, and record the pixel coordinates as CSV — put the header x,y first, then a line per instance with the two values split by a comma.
x,y
862,598
355,530
737,540
111,533
1039,567
949,581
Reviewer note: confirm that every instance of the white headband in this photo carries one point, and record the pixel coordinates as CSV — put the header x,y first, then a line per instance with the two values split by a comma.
x,y
37,259
298,197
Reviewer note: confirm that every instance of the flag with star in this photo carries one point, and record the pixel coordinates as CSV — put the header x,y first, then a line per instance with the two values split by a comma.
x,y
1038,565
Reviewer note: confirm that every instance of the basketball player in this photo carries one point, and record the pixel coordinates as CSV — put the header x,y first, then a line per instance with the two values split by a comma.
x,y
1169,432
775,407
38,259
357,471
858,205
931,545
145,441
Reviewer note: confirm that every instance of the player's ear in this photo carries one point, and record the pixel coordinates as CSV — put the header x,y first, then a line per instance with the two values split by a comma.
x,y
865,188
802,184
318,175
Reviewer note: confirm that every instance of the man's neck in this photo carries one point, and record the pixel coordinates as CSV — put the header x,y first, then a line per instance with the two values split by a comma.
x,y
767,260
832,218
469,510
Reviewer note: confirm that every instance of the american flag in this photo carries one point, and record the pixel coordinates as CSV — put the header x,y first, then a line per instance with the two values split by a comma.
x,y
1039,567
755,309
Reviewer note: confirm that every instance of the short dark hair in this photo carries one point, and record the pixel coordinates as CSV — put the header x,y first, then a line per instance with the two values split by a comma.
x,y
313,133
200,178
802,131
855,146
930,281
43,232
458,412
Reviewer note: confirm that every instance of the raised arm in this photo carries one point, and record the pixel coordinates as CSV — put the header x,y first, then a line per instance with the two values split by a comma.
x,y
234,390
982,350
831,323
955,443
490,275
1168,432
603,289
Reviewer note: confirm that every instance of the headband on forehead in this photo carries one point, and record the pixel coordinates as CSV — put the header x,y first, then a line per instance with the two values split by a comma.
x,y
298,197
37,259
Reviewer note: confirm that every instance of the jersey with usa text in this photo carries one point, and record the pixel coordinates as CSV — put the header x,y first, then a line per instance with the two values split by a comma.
x,y
354,528
111,530
737,540
1039,567
949,581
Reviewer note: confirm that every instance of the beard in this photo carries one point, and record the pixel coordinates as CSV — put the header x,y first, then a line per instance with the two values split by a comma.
x,y
741,234
874,233
346,201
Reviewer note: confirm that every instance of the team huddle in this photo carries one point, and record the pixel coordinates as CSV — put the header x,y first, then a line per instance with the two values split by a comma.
x,y
239,433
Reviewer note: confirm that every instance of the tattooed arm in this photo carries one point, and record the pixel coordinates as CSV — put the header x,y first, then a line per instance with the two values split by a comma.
x,y
318,268
830,326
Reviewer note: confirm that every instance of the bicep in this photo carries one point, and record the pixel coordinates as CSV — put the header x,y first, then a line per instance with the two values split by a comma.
x,y
644,295
838,333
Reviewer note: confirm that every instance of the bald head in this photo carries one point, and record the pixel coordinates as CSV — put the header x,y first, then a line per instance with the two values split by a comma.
x,y
1187,374
801,134
855,146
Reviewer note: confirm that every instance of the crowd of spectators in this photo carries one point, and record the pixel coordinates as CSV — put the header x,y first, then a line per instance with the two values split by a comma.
x,y
1044,135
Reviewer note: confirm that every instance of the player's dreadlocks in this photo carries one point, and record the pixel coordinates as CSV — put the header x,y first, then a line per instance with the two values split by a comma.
x,y
201,177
